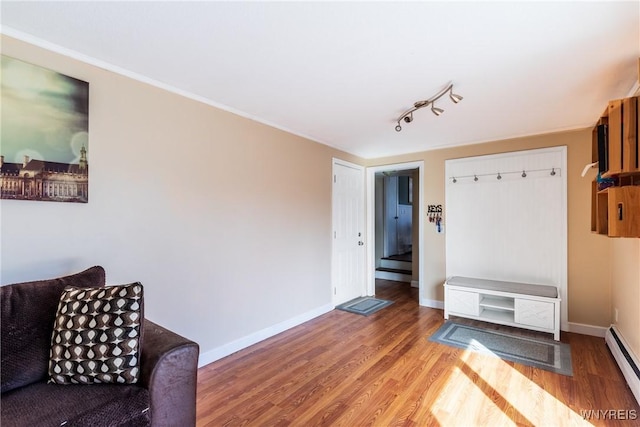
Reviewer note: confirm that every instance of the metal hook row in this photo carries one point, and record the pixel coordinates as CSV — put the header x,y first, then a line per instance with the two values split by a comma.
x,y
499,175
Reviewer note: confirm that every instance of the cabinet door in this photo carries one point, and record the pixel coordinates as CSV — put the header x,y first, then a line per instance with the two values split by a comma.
x,y
535,313
624,211
461,302
623,138
630,116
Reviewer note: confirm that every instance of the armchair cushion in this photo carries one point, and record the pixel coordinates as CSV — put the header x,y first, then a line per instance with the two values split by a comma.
x,y
96,335
43,404
27,311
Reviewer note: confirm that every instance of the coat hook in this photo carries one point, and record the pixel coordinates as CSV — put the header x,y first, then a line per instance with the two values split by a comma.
x,y
454,180
499,176
475,178
553,171
524,174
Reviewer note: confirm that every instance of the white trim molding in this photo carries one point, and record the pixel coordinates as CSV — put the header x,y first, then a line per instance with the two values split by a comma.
x,y
254,338
88,59
627,361
581,328
432,303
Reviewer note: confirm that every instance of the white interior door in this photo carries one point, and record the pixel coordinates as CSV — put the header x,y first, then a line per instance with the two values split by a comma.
x,y
348,269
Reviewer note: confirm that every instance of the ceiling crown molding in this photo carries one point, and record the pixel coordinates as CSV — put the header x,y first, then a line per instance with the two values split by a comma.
x,y
73,54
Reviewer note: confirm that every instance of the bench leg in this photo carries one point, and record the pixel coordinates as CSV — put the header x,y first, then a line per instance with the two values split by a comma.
x,y
556,333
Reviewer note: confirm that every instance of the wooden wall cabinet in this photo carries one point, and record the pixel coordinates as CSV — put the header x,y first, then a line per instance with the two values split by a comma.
x,y
615,211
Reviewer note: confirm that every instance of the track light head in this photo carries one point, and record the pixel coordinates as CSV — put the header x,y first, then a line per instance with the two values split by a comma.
x,y
408,118
398,128
455,98
437,111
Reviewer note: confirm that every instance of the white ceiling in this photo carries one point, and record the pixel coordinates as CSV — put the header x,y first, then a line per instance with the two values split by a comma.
x,y
341,73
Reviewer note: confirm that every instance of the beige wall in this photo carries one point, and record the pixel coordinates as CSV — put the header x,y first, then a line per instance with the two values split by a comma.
x,y
589,263
625,289
225,221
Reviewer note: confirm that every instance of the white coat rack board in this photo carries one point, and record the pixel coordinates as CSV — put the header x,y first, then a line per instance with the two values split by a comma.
x,y
506,218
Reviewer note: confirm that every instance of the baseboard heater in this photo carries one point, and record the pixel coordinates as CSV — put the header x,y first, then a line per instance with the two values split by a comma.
x,y
628,364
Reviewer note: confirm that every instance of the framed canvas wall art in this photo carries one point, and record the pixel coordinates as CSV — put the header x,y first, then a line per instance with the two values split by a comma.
x,y
44,139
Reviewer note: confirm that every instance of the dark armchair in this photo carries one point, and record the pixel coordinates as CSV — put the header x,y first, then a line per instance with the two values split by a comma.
x,y
164,395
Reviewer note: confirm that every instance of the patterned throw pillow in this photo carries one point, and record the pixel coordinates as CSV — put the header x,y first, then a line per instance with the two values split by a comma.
x,y
96,335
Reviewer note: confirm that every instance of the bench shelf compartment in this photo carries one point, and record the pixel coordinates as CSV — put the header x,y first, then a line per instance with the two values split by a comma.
x,y
505,303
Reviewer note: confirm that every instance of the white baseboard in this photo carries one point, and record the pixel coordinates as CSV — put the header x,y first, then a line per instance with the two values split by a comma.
x,y
626,362
581,328
432,303
244,342
415,284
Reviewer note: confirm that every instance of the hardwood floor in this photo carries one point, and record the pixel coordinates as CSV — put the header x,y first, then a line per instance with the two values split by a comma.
x,y
343,369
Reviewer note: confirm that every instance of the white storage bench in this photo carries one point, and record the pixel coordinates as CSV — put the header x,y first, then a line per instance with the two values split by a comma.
x,y
535,307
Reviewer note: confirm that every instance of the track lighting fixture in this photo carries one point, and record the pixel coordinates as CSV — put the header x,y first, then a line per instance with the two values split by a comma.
x,y
407,116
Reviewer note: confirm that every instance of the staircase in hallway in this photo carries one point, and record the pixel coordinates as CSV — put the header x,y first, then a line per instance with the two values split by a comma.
x,y
395,267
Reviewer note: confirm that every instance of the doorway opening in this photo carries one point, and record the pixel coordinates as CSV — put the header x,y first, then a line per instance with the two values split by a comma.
x,y
395,225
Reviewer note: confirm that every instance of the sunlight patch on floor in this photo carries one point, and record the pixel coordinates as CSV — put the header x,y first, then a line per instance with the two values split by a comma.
x,y
463,404
485,390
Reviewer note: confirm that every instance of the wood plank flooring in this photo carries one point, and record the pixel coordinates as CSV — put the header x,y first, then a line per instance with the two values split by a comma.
x,y
343,369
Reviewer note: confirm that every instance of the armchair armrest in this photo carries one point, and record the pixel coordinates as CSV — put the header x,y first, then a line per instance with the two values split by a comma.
x,y
169,366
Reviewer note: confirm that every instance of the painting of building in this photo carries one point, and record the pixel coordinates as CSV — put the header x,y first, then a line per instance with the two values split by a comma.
x,y
44,136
